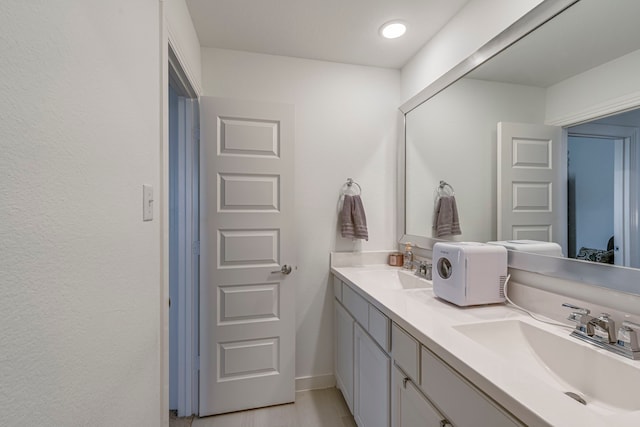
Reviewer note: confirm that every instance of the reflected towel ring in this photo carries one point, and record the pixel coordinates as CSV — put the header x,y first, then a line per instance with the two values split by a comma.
x,y
350,183
445,189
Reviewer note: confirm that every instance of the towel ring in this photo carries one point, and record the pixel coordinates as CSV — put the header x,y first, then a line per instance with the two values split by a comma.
x,y
445,189
350,183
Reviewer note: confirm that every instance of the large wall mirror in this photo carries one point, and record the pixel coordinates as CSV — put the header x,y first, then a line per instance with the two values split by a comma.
x,y
570,68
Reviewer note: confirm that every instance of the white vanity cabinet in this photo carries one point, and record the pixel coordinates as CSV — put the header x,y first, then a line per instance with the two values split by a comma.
x,y
410,407
362,363
389,378
372,381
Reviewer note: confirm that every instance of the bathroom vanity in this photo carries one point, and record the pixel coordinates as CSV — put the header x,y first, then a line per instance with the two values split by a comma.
x,y
405,358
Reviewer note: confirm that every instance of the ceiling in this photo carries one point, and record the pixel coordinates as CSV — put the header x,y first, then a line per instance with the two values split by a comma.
x,y
588,34
329,30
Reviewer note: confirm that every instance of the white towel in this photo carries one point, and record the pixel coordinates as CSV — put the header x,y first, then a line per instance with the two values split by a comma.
x,y
445,217
353,219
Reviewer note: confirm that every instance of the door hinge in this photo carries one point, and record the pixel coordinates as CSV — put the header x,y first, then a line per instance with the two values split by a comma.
x,y
196,247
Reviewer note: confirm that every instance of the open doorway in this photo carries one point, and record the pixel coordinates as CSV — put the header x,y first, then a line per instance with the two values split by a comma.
x,y
603,190
183,241
591,172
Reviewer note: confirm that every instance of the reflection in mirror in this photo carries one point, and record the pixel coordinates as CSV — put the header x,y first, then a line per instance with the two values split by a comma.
x,y
575,73
602,192
452,138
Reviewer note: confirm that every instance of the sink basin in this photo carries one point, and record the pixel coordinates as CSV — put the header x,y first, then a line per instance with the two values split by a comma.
x,y
605,381
394,279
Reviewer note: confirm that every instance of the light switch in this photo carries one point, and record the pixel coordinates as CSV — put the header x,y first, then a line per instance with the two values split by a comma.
x,y
147,203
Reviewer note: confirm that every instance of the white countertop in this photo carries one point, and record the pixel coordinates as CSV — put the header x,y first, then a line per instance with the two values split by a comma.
x,y
432,321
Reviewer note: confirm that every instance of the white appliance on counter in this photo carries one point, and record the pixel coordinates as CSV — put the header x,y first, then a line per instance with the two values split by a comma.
x,y
469,273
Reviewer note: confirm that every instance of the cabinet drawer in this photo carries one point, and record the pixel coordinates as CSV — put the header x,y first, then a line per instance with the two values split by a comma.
x,y
406,352
357,306
462,403
337,288
379,326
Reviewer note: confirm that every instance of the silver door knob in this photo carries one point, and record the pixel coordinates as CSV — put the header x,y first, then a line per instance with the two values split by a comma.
x,y
286,269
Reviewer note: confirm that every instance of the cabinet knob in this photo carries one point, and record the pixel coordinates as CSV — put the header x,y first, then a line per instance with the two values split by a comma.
x,y
445,423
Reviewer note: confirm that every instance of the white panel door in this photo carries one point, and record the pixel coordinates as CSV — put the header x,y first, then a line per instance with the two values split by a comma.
x,y
530,179
247,312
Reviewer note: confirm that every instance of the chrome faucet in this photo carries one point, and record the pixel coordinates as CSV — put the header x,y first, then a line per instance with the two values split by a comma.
x,y
424,270
601,332
604,328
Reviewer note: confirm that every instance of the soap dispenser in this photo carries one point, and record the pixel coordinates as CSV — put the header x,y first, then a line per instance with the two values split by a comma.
x,y
408,257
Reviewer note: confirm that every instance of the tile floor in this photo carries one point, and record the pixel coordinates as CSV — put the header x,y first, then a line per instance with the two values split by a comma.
x,y
313,408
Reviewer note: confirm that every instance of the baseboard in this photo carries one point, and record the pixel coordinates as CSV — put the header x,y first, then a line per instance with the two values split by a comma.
x,y
315,382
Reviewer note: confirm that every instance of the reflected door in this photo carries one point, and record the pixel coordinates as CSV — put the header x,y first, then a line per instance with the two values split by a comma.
x,y
530,183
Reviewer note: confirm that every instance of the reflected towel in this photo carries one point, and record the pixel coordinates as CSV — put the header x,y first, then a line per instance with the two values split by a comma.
x,y
353,219
445,217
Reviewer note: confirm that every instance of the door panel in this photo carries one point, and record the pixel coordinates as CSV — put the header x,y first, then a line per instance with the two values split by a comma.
x,y
247,322
249,192
249,303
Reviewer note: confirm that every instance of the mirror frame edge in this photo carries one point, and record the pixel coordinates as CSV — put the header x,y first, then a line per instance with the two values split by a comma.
x,y
618,279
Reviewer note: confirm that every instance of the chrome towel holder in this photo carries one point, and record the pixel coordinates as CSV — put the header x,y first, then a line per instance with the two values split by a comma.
x,y
350,186
445,189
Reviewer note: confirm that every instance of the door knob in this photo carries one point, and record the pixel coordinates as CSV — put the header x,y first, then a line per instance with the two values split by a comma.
x,y
286,269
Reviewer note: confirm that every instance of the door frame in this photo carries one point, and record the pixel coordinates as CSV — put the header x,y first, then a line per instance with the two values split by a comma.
x,y
172,57
188,250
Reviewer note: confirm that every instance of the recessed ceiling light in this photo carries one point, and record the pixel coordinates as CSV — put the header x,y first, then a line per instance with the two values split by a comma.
x,y
393,29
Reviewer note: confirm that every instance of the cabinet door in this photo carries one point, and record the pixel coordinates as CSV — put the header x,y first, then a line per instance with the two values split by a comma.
x,y
463,404
344,352
371,382
410,408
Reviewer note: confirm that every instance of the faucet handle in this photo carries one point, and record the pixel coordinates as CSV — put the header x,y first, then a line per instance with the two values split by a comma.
x,y
631,325
581,318
628,335
579,310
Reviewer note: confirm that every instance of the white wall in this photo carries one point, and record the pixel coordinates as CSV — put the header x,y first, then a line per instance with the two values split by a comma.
x,y
79,269
345,127
477,23
605,89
